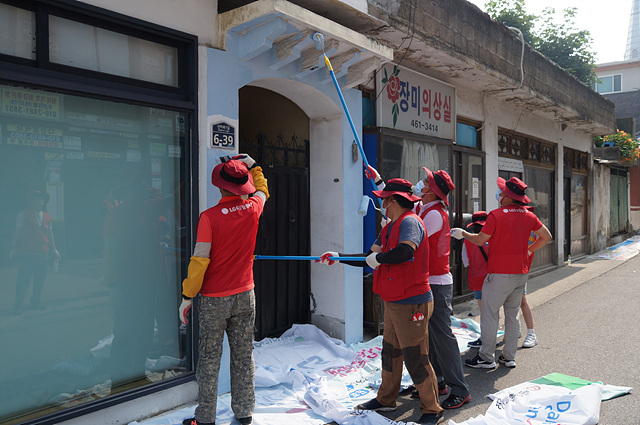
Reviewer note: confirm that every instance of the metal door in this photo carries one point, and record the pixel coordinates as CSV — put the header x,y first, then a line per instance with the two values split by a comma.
x,y
619,207
282,286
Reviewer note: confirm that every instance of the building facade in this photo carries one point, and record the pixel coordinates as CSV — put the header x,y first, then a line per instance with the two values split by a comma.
x,y
114,113
619,82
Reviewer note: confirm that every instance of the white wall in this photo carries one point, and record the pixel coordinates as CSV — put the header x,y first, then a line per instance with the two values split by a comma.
x,y
197,17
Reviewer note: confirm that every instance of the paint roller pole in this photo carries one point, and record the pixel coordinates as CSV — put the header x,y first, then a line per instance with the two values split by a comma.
x,y
305,257
319,44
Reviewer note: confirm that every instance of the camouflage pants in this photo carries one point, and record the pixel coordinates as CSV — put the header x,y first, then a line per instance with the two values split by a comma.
x,y
234,315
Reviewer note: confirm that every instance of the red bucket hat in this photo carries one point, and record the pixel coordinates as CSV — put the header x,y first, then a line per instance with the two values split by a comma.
x,y
514,188
440,182
400,187
478,217
233,176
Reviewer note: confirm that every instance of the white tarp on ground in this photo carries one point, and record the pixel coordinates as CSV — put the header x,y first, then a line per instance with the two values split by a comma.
x,y
552,399
622,251
307,378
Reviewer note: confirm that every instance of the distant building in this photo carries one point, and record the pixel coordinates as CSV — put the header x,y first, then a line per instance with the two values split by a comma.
x,y
620,83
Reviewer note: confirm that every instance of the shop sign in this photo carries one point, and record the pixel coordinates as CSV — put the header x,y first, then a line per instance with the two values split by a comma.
x,y
223,136
415,103
29,103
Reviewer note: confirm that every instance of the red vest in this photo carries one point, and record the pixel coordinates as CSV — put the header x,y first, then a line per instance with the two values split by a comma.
x,y
477,265
34,238
399,281
510,228
231,228
439,243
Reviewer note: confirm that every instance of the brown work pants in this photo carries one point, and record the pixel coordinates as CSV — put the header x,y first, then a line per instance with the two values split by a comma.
x,y
406,340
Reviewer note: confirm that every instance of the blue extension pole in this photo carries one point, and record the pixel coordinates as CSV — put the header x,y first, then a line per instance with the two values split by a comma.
x,y
320,39
305,257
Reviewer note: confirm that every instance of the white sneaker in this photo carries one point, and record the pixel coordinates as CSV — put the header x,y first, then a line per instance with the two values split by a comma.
x,y
530,341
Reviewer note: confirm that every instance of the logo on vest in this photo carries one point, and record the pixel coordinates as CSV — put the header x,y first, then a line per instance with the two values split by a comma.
x,y
226,211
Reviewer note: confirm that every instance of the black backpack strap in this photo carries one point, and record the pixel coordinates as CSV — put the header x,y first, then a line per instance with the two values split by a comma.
x,y
484,254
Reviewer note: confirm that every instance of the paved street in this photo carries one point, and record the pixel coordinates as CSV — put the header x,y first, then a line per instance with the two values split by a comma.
x,y
586,319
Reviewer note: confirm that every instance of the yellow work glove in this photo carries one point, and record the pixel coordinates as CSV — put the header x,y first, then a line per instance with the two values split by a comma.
x,y
259,181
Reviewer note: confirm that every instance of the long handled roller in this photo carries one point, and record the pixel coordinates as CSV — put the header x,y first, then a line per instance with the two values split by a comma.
x,y
318,40
305,257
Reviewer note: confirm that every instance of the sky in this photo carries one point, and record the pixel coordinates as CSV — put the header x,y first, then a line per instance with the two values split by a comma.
x,y
607,21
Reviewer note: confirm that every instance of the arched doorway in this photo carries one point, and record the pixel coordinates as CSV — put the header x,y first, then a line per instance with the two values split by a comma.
x,y
276,132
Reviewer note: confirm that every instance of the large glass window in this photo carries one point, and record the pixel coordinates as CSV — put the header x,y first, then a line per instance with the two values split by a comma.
x,y
91,234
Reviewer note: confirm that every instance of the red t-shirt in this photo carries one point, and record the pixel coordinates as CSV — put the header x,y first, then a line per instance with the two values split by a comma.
x,y
510,228
231,228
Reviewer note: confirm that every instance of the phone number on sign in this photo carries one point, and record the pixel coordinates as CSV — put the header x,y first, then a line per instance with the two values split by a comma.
x,y
424,125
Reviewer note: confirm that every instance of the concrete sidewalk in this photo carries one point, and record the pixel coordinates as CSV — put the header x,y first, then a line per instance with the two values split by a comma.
x,y
550,284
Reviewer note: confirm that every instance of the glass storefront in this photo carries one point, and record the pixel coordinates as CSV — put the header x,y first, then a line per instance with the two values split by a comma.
x,y
91,240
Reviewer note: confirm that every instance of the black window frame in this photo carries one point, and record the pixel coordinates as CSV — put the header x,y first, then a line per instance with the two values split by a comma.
x,y
43,75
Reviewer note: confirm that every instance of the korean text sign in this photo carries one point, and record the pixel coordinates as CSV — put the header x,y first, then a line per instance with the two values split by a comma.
x,y
415,103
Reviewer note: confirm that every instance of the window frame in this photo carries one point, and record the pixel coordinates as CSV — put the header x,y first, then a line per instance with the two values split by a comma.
x,y
40,74
613,83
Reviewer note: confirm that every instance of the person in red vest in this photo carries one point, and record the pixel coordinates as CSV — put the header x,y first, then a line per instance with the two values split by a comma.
x,y
31,246
508,227
443,346
221,272
476,258
399,257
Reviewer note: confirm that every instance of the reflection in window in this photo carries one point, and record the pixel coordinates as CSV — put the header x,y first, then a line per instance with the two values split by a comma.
x,y
578,214
404,158
100,183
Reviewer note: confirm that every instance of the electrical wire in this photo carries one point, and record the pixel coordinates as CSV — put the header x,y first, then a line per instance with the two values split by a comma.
x,y
410,36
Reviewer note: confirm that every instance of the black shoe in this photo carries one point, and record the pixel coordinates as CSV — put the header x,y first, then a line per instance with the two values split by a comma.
x,y
192,421
475,344
478,363
455,401
442,390
430,419
375,405
245,421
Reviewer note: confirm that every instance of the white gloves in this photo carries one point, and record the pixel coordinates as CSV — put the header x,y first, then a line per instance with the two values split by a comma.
x,y
384,221
456,232
324,258
371,260
243,157
185,308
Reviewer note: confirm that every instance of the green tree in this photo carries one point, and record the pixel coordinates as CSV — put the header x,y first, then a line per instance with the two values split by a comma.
x,y
562,42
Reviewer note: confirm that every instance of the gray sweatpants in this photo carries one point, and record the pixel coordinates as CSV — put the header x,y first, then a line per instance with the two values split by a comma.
x,y
501,290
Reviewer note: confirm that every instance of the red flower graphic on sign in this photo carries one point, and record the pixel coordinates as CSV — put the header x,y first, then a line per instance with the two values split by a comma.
x,y
393,88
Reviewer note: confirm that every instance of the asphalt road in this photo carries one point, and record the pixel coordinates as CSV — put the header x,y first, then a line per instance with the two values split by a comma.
x,y
586,318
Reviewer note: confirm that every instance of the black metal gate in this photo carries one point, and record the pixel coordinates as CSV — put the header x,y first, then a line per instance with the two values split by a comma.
x,y
282,286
